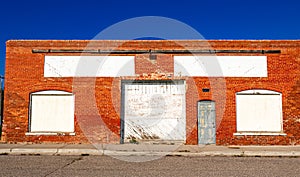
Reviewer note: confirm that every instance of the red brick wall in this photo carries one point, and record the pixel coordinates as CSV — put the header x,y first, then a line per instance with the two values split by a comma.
x,y
101,97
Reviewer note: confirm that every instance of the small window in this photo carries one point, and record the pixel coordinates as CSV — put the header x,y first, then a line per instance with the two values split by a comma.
x,y
259,111
51,111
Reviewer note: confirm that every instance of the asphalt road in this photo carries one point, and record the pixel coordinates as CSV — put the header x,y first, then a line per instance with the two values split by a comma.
x,y
167,166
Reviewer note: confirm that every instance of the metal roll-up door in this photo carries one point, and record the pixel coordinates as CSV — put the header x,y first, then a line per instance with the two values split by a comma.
x,y
154,110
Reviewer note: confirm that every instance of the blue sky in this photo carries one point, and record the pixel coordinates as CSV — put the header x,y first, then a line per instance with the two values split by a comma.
x,y
214,19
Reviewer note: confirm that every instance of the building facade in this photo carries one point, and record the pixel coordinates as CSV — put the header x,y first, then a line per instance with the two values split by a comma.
x,y
224,92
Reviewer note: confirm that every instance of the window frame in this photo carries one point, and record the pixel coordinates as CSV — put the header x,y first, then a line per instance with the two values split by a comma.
x,y
50,93
258,92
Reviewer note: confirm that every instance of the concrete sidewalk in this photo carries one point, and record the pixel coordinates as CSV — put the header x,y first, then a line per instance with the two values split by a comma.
x,y
148,149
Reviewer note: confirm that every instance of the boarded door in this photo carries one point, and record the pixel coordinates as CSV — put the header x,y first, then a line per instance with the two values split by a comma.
x,y
153,110
206,122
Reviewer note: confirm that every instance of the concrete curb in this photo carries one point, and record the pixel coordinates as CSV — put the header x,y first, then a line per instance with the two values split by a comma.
x,y
149,150
54,151
79,152
21,151
5,151
271,154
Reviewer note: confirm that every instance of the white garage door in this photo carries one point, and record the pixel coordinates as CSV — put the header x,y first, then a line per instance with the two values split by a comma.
x,y
154,110
52,111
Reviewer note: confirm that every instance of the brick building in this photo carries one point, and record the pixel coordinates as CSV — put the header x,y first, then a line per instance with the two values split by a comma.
x,y
222,92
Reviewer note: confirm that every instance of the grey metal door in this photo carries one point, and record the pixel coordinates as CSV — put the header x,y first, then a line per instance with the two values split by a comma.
x,y
206,122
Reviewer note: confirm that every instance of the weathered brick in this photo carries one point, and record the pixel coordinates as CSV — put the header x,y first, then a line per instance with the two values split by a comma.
x,y
24,75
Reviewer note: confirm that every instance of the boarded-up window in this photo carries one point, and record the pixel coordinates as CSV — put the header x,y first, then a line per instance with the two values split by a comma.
x,y
52,111
259,111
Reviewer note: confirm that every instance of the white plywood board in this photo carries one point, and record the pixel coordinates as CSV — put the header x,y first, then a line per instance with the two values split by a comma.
x,y
221,66
259,113
89,66
52,113
155,111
